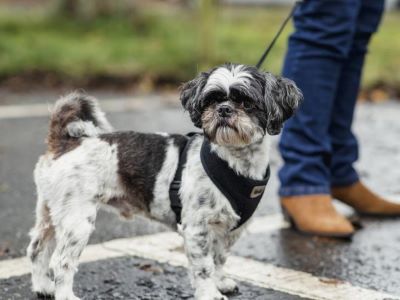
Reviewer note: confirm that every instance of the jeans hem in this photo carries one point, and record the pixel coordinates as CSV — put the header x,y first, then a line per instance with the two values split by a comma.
x,y
304,190
345,181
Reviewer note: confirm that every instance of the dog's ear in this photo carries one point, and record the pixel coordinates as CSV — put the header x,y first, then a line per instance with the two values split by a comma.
x,y
282,97
191,97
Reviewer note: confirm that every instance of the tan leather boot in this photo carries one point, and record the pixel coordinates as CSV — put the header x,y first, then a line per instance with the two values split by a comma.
x,y
316,215
365,201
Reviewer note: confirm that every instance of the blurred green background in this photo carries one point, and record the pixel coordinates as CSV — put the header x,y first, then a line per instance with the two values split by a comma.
x,y
157,44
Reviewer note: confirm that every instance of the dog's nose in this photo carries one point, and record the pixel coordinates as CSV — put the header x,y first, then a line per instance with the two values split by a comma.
x,y
225,111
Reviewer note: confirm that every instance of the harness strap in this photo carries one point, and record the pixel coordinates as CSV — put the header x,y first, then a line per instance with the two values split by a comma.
x,y
176,203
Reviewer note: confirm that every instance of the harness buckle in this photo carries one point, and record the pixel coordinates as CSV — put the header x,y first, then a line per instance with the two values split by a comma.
x,y
175,185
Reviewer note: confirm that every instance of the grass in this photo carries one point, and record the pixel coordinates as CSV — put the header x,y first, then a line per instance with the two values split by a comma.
x,y
383,61
163,44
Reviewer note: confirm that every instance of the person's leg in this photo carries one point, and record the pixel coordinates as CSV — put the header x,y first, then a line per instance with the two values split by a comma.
x,y
343,141
317,51
345,182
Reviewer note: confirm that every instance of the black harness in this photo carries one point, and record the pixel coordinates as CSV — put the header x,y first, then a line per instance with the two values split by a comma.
x,y
243,193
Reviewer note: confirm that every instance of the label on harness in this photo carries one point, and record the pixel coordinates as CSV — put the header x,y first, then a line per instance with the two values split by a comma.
x,y
257,191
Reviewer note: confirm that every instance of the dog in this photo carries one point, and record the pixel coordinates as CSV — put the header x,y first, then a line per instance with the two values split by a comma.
x,y
87,165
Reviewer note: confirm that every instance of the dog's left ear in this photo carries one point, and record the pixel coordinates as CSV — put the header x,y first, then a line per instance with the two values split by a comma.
x,y
191,97
282,97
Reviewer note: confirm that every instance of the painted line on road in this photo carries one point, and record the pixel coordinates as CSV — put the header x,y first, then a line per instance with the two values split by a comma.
x,y
117,105
20,266
167,248
267,223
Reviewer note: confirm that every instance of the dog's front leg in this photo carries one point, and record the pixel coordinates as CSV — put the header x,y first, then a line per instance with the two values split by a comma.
x,y
221,245
198,249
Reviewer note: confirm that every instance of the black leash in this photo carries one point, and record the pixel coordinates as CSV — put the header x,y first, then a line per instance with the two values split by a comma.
x,y
271,45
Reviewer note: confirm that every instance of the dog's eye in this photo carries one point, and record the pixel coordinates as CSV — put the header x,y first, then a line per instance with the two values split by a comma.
x,y
247,105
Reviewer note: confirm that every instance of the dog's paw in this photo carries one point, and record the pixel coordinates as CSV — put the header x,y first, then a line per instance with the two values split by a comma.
x,y
210,295
43,288
221,297
227,286
218,296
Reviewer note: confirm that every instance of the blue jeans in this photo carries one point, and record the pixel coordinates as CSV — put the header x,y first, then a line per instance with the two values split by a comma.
x,y
325,58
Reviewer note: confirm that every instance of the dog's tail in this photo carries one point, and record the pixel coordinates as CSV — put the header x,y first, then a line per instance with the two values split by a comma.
x,y
73,117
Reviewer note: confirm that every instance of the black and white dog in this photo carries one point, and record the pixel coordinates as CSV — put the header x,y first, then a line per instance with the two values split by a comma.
x,y
87,165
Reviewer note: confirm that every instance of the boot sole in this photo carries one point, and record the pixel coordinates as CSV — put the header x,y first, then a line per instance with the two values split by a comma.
x,y
378,215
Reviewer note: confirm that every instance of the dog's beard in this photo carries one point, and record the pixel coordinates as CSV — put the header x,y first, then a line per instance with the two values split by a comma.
x,y
238,130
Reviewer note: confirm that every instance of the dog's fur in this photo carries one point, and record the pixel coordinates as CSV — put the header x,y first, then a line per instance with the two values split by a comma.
x,y
87,165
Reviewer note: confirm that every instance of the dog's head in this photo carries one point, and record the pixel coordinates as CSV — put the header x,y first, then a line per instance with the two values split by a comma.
x,y
236,105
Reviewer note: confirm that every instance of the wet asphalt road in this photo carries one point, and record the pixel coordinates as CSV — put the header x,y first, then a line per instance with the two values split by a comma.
x,y
132,278
371,260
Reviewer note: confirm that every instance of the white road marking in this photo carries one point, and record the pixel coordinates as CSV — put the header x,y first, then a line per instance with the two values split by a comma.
x,y
20,266
118,105
267,223
14,267
167,248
